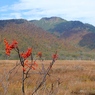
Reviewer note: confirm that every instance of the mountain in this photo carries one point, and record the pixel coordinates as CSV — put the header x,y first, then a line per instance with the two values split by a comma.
x,y
48,23
74,32
72,39
57,24
29,35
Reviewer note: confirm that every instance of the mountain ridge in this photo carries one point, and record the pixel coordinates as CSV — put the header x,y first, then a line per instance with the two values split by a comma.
x,y
68,29
59,21
73,41
29,35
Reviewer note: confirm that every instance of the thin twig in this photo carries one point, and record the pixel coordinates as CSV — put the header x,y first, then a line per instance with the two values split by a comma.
x,y
44,77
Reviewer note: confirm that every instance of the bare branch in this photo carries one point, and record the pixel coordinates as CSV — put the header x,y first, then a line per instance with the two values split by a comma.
x,y
17,64
44,77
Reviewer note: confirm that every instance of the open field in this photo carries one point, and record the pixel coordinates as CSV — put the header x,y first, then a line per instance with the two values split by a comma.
x,y
67,77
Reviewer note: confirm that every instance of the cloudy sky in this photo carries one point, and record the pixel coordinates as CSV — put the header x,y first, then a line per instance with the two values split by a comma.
x,y
82,10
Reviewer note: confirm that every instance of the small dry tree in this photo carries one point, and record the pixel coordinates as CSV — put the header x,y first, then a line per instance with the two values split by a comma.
x,y
28,65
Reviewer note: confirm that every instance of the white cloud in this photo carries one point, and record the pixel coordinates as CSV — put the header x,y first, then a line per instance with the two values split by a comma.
x,y
16,15
53,4
68,9
4,8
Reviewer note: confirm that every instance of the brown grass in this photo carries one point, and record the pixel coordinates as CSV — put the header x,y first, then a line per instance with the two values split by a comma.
x,y
67,77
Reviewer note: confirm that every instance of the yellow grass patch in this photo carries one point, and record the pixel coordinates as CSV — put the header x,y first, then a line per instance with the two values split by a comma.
x,y
67,77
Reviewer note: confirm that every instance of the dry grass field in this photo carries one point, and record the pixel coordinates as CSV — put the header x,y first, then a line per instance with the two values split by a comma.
x,y
67,77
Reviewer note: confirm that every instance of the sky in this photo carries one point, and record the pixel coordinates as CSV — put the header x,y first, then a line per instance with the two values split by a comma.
x,y
81,10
